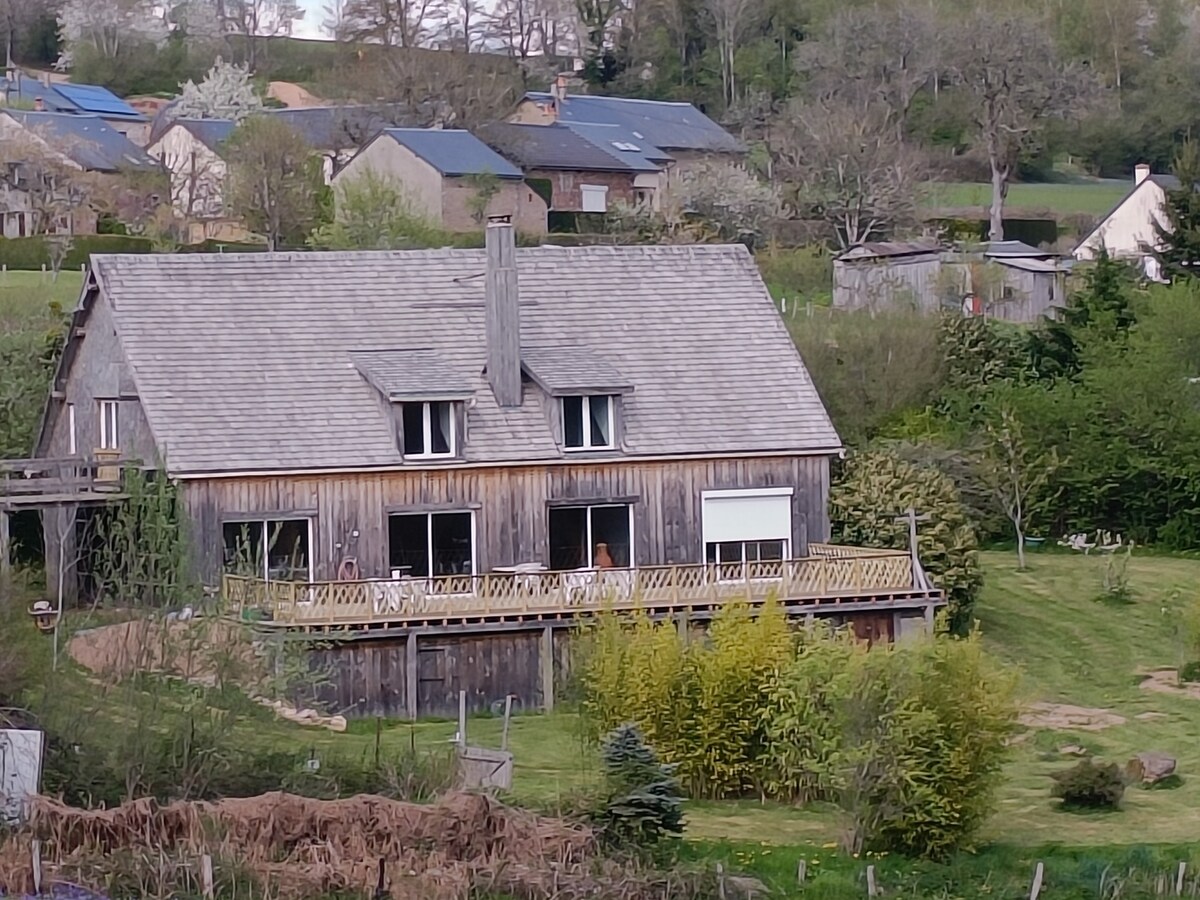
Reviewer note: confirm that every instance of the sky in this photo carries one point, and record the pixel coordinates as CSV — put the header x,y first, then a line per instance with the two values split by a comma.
x,y
314,15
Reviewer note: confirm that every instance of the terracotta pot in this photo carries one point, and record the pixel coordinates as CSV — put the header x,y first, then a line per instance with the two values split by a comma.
x,y
602,560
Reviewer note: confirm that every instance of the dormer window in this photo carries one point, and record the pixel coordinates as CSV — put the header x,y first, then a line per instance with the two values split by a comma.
x,y
588,422
429,429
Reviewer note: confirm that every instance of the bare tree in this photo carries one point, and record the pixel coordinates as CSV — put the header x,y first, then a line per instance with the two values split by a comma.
x,y
732,21
527,28
460,25
393,23
1009,66
108,25
50,186
847,166
274,179
256,20
15,17
887,56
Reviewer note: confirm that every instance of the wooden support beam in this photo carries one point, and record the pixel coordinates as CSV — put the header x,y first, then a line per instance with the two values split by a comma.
x,y
410,676
546,664
5,557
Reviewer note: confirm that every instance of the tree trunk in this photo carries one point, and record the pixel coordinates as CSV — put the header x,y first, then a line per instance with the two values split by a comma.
x,y
1020,544
999,192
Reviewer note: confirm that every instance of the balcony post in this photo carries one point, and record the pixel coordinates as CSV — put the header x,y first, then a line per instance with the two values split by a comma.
x,y
410,675
546,664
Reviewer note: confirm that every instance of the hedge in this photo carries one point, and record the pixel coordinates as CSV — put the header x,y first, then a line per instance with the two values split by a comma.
x,y
33,252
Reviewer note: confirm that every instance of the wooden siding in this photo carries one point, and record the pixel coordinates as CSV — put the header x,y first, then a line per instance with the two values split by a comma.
x,y
886,283
349,512
369,677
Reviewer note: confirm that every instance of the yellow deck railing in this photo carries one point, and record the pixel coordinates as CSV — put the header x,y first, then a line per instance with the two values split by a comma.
x,y
831,572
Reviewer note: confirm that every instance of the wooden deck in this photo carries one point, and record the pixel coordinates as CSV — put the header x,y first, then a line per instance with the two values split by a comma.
x,y
832,577
36,483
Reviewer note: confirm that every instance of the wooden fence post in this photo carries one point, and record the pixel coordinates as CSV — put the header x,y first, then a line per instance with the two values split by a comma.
x,y
1036,888
1179,878
720,881
801,871
872,887
206,875
35,859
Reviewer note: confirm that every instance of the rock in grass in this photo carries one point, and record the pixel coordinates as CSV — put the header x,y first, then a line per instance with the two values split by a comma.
x,y
1150,767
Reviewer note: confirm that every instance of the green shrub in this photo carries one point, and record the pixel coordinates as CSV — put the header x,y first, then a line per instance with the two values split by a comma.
x,y
1190,673
875,487
1087,785
701,703
642,803
32,253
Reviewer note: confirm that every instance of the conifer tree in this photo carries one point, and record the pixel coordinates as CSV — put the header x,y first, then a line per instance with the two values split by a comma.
x,y
1178,253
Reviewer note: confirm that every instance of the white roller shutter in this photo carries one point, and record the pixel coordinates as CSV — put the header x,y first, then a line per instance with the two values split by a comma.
x,y
763,514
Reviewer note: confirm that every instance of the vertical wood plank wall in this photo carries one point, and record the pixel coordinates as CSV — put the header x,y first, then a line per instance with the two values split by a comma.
x,y
510,506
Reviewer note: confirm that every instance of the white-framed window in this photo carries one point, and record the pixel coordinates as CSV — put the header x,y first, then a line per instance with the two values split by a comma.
x,y
588,422
431,544
594,197
747,526
271,549
71,445
589,537
109,434
429,429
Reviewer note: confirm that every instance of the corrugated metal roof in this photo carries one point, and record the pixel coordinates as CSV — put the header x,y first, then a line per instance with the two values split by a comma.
x,y
88,140
671,126
454,152
243,361
873,249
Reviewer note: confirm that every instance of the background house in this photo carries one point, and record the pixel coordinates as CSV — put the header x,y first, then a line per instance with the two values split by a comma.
x,y
80,142
20,90
1007,280
674,132
585,173
452,178
1130,230
469,434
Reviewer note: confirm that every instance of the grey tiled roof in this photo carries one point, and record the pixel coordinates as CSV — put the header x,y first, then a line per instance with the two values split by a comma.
x,y
557,147
88,140
566,370
416,374
666,124
243,362
453,151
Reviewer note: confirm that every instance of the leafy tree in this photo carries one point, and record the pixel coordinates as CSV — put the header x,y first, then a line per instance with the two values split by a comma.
x,y
875,487
374,212
225,93
643,802
1178,254
1009,66
274,180
1016,469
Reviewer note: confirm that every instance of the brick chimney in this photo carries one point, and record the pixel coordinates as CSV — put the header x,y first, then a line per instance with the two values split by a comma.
x,y
1140,173
39,104
502,299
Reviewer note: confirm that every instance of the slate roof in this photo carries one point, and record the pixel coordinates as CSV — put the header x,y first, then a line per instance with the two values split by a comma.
x,y
562,371
249,362
210,132
646,156
453,152
553,147
669,125
417,373
88,140
324,128
87,99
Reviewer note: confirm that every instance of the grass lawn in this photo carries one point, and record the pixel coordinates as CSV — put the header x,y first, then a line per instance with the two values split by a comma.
x,y
1088,198
26,297
1069,647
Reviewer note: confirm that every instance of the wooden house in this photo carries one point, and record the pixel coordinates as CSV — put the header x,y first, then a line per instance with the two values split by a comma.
x,y
440,460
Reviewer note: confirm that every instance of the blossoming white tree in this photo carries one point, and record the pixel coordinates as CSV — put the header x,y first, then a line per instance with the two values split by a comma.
x,y
225,93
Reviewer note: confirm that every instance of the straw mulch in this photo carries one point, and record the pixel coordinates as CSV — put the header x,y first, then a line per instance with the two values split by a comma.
x,y
303,847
